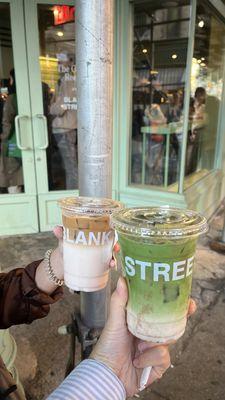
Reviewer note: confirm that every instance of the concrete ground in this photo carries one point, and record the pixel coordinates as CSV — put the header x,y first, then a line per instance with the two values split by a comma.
x,y
198,358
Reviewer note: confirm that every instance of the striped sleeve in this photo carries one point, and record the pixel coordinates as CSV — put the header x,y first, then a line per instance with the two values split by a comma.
x,y
90,380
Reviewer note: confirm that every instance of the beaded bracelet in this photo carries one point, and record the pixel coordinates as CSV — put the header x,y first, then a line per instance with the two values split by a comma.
x,y
49,270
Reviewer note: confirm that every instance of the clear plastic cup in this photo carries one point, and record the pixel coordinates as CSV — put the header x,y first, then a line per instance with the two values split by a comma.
x,y
157,249
88,240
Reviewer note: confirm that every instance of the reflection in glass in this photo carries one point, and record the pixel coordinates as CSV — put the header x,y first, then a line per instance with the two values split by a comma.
x,y
159,62
58,73
206,90
11,171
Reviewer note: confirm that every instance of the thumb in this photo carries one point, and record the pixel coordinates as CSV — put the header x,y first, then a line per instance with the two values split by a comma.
x,y
118,304
58,232
108,349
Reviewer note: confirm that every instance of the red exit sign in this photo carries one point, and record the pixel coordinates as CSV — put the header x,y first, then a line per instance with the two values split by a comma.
x,y
63,14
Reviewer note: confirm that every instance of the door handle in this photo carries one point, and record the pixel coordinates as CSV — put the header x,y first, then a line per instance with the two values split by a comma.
x,y
18,132
45,130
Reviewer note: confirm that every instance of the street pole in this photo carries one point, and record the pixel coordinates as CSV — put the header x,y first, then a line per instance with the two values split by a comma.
x,y
94,63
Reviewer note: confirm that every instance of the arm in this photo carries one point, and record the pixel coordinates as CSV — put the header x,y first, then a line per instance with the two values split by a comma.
x,y
116,363
90,380
8,117
56,108
26,294
200,118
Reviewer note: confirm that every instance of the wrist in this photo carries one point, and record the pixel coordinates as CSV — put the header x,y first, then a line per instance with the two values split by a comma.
x,y
56,263
44,272
105,359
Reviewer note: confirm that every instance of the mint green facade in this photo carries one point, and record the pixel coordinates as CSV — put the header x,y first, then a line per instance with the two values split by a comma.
x,y
36,208
204,195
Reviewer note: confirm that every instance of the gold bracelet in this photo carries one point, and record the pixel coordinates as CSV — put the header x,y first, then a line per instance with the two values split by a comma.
x,y
49,270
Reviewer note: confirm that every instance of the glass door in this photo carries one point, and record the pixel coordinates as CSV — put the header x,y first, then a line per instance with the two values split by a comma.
x,y
18,196
50,30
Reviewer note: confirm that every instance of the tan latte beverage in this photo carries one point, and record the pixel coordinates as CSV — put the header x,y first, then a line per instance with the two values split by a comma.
x,y
87,241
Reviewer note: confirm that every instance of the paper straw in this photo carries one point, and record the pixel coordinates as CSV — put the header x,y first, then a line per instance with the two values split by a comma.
x,y
144,378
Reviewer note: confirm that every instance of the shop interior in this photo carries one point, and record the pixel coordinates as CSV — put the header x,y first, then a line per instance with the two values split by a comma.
x,y
160,45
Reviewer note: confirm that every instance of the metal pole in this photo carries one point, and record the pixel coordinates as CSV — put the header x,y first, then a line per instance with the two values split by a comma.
x,y
187,94
94,47
94,53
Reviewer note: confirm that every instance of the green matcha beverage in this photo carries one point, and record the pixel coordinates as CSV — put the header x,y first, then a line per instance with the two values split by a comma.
x,y
157,247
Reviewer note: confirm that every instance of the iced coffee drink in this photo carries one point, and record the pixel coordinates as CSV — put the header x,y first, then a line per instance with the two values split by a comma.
x,y
88,241
157,248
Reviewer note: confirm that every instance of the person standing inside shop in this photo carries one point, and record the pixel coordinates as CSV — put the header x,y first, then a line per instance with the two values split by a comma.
x,y
199,120
64,124
155,118
11,175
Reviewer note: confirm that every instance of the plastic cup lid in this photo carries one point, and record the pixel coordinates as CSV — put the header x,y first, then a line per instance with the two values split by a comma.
x,y
89,205
165,221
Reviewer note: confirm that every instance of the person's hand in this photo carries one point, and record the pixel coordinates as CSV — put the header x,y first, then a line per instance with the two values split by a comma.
x,y
126,355
122,352
57,254
41,278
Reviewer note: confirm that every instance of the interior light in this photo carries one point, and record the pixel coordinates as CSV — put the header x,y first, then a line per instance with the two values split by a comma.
x,y
144,51
203,58
55,12
174,56
201,23
203,64
153,72
194,60
60,33
199,61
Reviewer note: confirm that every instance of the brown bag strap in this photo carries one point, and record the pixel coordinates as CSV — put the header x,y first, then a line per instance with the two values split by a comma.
x,y
4,393
8,388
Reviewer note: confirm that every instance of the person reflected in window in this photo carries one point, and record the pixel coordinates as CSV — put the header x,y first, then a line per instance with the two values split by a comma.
x,y
192,150
11,176
155,118
212,106
137,138
199,117
64,124
196,137
175,119
153,113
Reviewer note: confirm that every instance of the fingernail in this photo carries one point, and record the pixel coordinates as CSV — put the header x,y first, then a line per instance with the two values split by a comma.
x,y
143,346
116,247
136,362
140,346
119,285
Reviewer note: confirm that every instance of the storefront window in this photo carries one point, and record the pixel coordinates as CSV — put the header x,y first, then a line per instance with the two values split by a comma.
x,y
206,90
160,41
11,168
58,74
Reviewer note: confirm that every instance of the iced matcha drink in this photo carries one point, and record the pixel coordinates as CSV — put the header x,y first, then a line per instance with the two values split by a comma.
x,y
88,241
157,249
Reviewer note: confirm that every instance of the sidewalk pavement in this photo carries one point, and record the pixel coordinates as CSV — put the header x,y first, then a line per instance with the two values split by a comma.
x,y
198,358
